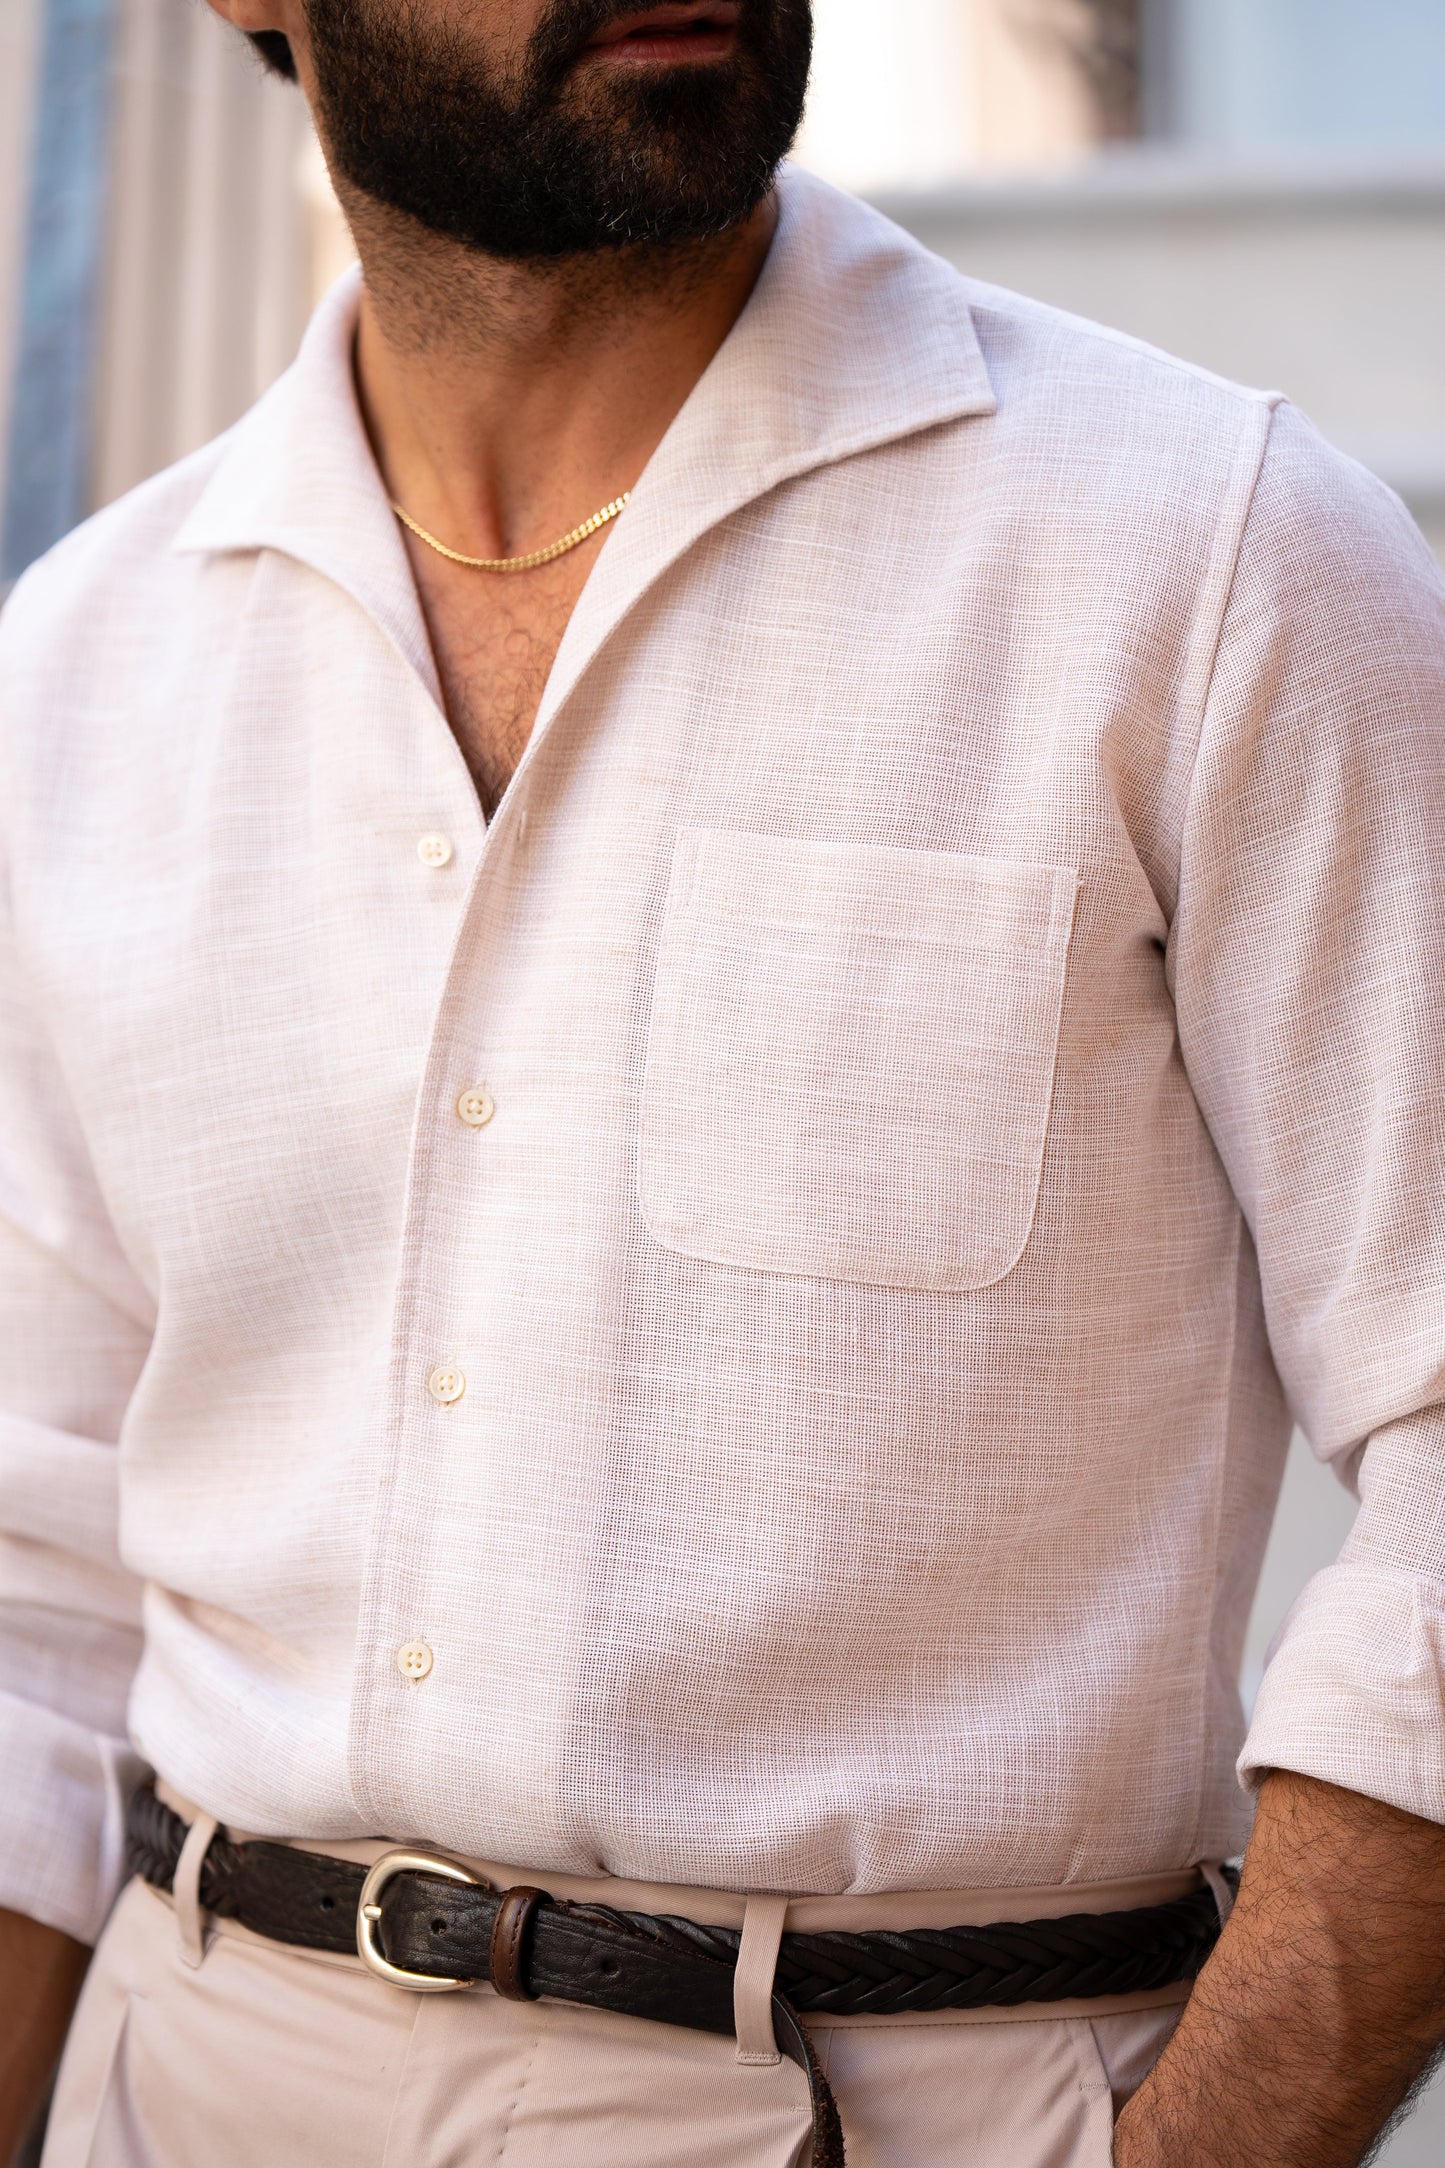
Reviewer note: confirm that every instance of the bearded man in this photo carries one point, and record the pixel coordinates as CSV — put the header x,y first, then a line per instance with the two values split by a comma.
x,y
723,968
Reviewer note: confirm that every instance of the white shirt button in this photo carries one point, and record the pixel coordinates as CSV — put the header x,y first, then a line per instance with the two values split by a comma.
x,y
414,1660
435,850
446,1384
476,1107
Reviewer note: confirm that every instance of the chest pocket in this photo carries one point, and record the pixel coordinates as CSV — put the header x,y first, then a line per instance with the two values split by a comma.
x,y
851,1059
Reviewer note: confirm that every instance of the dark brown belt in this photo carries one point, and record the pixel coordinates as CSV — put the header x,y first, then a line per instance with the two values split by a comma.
x,y
421,1921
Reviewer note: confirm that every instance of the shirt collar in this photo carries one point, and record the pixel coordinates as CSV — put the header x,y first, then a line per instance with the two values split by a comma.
x,y
854,336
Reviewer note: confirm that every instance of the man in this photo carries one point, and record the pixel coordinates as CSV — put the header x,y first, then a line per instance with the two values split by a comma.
x,y
716,952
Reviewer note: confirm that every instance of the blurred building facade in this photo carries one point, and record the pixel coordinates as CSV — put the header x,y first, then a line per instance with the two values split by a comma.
x,y
967,86
1260,76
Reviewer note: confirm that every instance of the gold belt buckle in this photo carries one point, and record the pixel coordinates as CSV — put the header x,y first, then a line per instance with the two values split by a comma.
x,y
368,1913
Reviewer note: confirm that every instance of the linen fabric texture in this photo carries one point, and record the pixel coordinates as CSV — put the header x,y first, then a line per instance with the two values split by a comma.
x,y
958,969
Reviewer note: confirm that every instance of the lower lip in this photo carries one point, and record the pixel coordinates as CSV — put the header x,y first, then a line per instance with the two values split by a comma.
x,y
661,51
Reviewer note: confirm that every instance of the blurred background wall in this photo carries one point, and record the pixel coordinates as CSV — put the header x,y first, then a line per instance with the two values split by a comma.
x,y
1257,184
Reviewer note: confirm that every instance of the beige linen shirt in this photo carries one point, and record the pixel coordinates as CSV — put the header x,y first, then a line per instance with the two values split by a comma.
x,y
957,984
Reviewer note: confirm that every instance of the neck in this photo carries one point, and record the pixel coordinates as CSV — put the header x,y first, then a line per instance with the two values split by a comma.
x,y
503,398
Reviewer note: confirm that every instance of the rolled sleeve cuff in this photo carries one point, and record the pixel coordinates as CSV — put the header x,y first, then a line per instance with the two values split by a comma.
x,y
62,1817
1354,1690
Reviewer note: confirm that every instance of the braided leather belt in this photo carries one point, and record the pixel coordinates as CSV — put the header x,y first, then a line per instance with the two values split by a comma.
x,y
421,1921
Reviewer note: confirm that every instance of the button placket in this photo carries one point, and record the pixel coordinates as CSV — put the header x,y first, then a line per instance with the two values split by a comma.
x,y
408,795
389,1607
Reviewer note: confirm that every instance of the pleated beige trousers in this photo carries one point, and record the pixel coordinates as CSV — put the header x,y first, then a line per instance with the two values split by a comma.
x,y
198,2045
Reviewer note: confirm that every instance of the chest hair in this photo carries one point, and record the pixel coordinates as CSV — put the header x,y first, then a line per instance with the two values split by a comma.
x,y
495,639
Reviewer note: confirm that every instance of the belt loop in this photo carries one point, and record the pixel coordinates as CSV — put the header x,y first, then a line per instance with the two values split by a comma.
x,y
753,1980
186,1889
1222,1888
507,1954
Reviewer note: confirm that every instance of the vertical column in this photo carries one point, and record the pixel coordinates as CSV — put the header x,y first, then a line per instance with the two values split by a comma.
x,y
890,99
927,90
47,470
207,285
19,65
1053,78
162,278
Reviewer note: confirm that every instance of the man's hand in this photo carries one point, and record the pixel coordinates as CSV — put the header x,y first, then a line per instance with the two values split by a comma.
x,y
1323,2002
40,1975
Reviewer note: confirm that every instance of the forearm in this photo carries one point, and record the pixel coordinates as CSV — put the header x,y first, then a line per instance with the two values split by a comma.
x,y
1323,2002
40,1975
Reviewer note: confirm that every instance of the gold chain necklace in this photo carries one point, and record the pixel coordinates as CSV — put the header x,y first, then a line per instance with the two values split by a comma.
x,y
533,558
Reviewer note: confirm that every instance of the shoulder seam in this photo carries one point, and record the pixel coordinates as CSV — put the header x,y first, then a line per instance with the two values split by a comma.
x,y
1223,575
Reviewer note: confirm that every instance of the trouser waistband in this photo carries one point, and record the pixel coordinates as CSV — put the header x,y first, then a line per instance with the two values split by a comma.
x,y
425,1921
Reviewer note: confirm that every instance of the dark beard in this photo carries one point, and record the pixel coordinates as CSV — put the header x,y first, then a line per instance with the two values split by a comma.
x,y
543,161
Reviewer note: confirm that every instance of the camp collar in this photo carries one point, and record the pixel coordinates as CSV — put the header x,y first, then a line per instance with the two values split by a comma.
x,y
854,336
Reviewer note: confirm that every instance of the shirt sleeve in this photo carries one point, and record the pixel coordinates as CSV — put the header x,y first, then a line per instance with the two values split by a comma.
x,y
1308,961
73,1336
